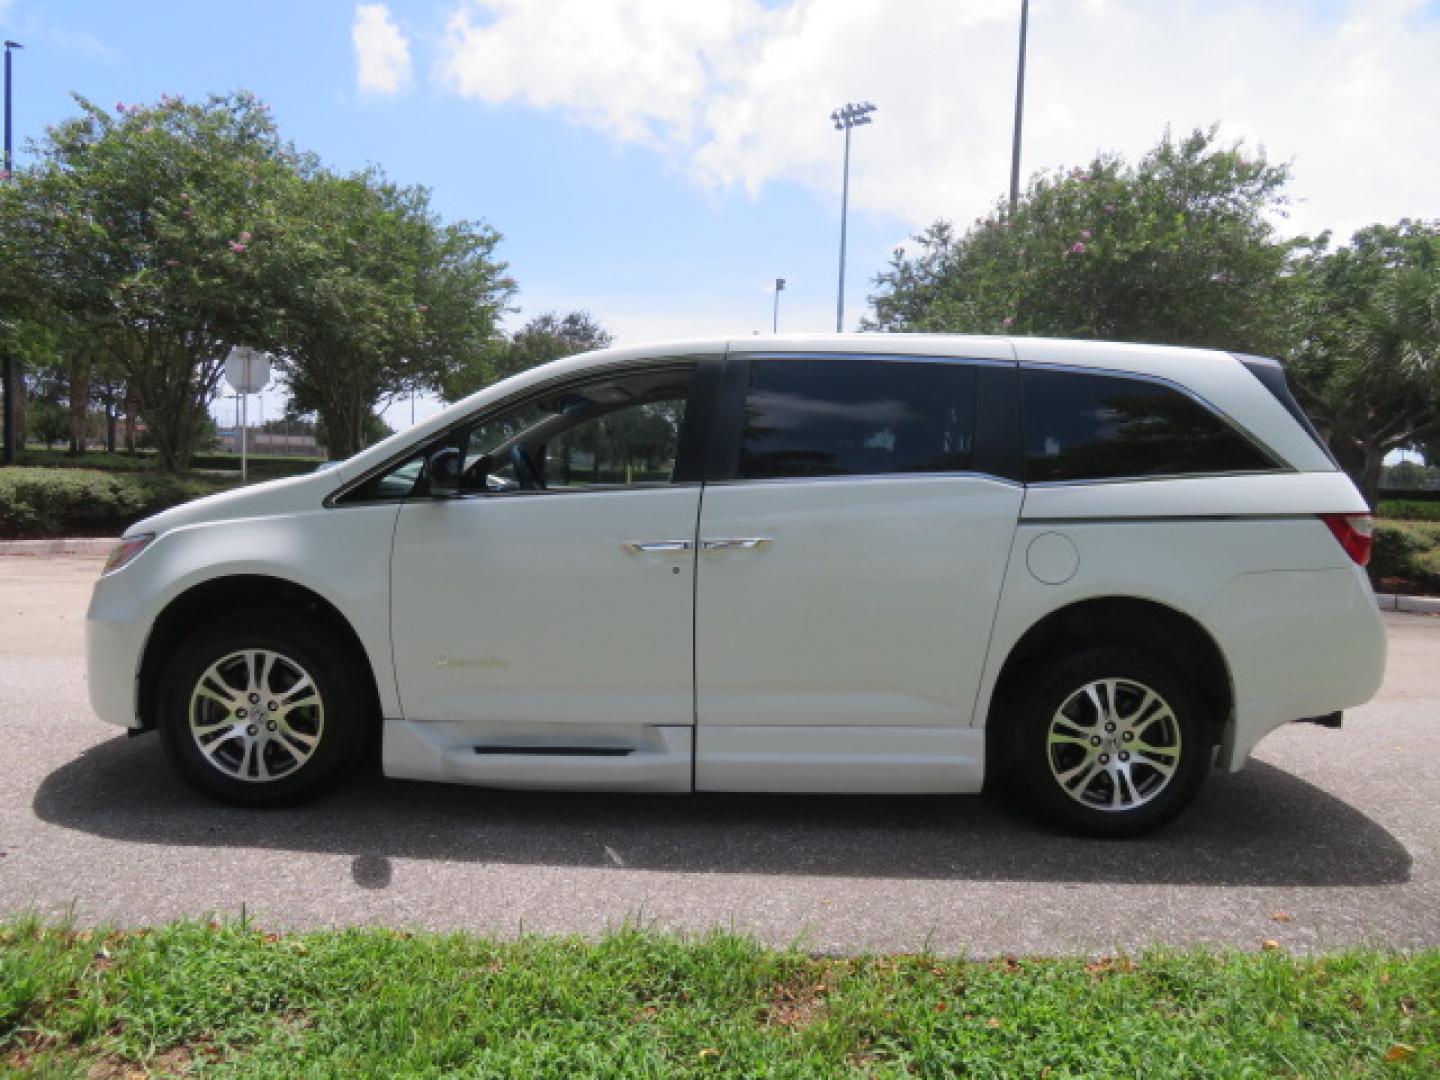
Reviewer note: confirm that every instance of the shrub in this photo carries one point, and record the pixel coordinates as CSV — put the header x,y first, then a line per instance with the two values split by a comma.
x,y
90,459
261,467
1409,510
1407,551
70,502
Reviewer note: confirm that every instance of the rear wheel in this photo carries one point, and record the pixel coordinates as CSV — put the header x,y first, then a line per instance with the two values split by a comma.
x,y
1112,742
260,713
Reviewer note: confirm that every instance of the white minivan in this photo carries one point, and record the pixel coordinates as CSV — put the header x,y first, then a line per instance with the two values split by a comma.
x,y
1076,571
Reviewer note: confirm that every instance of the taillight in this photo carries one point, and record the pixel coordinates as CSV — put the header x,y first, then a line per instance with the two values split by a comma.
x,y
1356,533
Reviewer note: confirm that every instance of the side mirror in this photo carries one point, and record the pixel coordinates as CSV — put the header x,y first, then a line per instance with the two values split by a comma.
x,y
442,471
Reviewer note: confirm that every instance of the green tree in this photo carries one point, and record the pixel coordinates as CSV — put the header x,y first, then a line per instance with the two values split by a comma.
x,y
146,232
1178,248
1409,476
548,336
49,423
31,341
1366,359
377,297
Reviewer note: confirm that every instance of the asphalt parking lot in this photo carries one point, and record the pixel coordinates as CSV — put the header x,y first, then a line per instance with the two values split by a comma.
x,y
1327,839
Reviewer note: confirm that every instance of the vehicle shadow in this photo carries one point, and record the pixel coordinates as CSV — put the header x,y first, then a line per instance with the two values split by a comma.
x,y
1262,826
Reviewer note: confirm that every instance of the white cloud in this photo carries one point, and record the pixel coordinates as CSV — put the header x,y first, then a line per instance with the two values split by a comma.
x,y
739,90
382,52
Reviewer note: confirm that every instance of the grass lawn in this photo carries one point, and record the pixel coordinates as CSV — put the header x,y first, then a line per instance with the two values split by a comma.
x,y
1409,510
232,1000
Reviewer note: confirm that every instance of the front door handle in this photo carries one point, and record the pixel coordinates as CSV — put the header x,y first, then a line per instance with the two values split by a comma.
x,y
656,547
741,543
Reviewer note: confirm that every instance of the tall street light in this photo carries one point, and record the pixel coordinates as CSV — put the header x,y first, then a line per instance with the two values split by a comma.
x,y
1019,108
779,288
8,374
845,118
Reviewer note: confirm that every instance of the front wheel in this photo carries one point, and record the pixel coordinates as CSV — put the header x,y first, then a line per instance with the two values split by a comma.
x,y
259,711
1112,742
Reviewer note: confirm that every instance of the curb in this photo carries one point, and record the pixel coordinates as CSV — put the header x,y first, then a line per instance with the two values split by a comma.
x,y
1415,605
79,546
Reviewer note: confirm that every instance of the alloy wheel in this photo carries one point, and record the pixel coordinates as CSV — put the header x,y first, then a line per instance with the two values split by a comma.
x,y
256,715
1113,745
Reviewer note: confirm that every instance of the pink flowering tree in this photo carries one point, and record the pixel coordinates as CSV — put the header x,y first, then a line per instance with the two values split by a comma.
x,y
1180,247
142,233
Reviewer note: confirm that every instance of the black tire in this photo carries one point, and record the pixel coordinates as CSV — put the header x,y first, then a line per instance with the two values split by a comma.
x,y
1148,795
269,741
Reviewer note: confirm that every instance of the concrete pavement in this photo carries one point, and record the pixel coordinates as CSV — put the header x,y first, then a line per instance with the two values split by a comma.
x,y
1327,839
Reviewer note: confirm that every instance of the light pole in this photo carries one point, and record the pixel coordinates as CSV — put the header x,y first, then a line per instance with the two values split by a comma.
x,y
1019,108
7,375
845,118
779,288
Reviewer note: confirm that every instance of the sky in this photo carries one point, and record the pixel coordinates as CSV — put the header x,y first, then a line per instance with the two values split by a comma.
x,y
660,162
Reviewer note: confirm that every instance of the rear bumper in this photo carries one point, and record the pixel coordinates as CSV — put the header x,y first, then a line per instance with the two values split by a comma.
x,y
1299,644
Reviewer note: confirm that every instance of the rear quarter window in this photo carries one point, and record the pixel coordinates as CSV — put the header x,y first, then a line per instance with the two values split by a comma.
x,y
1081,426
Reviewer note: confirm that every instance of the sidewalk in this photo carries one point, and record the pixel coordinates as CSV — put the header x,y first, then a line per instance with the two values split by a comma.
x,y
77,546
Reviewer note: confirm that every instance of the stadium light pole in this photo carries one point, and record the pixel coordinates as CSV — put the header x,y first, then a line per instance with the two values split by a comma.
x,y
1019,108
779,288
844,118
7,375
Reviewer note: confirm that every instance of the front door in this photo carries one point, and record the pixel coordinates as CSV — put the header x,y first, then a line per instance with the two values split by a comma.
x,y
848,577
542,621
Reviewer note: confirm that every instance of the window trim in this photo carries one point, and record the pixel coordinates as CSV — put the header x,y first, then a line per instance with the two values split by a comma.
x,y
994,444
1280,465
705,371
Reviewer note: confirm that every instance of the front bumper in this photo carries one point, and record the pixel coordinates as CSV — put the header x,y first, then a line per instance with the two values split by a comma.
x,y
115,634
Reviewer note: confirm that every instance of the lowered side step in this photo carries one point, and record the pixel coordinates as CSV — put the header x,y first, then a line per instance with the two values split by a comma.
x,y
552,757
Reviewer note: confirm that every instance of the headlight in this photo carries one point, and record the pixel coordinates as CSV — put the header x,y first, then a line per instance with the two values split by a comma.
x,y
123,553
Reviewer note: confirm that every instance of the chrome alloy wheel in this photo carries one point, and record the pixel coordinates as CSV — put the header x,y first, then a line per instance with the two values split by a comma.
x,y
256,715
1113,745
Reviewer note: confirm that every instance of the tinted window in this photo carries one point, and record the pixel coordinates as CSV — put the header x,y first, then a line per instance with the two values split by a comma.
x,y
1085,427
856,417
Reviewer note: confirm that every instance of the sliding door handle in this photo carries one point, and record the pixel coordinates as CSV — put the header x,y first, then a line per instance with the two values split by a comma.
x,y
656,547
737,543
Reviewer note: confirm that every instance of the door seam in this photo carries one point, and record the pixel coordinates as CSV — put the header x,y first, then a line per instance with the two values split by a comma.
x,y
694,641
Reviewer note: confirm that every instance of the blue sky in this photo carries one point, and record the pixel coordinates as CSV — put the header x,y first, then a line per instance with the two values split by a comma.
x,y
587,221
660,162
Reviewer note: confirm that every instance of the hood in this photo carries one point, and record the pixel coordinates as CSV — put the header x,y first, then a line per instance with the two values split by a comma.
x,y
287,495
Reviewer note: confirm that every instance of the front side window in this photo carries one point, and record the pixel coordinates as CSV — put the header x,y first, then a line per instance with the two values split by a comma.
x,y
842,417
398,482
1080,426
622,431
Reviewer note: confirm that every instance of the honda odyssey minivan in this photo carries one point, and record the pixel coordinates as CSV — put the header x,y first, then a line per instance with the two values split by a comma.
x,y
1080,572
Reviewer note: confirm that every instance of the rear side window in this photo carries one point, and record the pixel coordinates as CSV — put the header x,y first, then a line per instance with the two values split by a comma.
x,y
1090,427
1272,377
856,418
